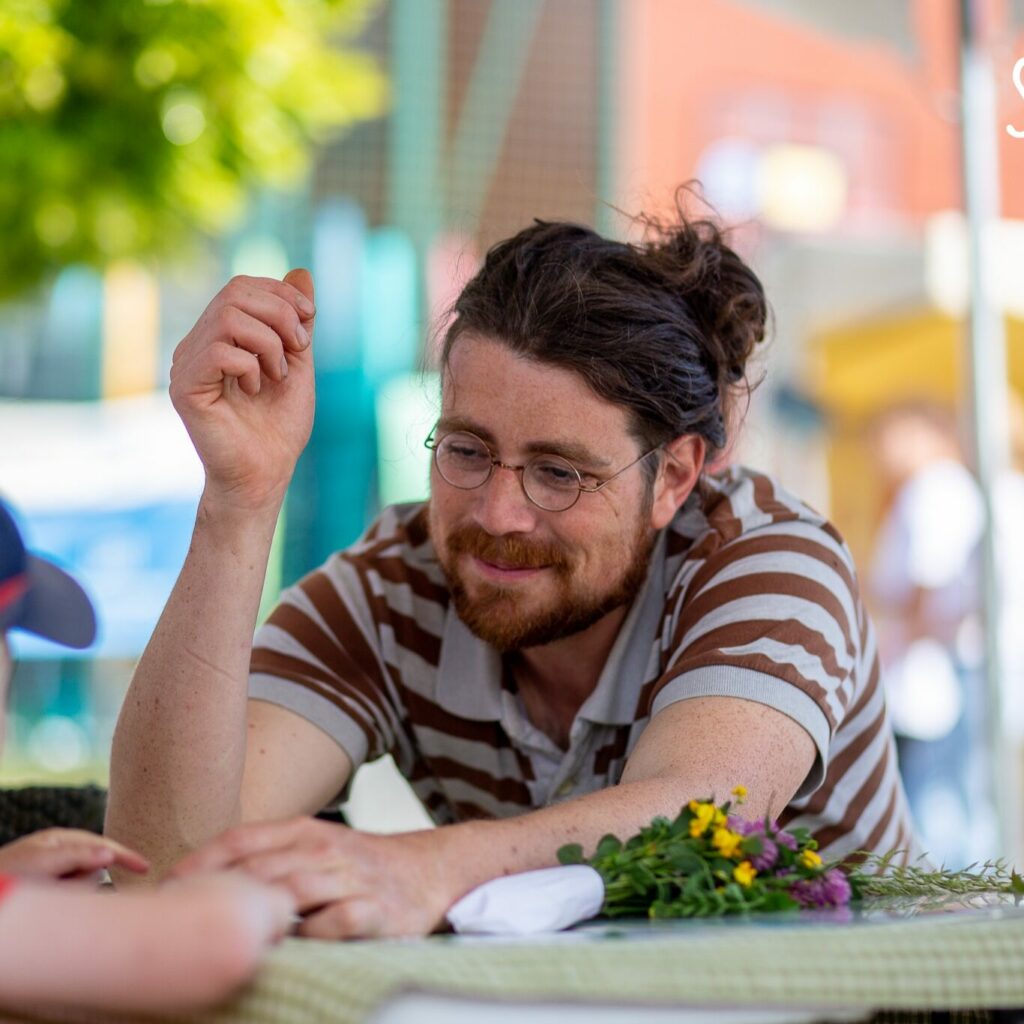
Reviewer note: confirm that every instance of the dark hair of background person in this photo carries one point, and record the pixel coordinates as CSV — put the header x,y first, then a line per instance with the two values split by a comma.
x,y
663,328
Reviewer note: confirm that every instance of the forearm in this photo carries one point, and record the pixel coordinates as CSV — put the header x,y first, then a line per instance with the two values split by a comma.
x,y
475,852
135,952
179,746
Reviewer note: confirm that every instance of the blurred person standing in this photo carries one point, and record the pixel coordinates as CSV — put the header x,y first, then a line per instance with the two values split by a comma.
x,y
925,585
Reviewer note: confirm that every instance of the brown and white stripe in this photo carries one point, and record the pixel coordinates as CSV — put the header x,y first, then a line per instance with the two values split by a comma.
x,y
750,594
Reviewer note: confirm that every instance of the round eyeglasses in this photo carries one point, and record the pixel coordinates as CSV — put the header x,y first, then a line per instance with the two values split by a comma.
x,y
549,481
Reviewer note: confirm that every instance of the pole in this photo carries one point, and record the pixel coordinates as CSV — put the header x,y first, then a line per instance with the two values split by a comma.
x,y
986,356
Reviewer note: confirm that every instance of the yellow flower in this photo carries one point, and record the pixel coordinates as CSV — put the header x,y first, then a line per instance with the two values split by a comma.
x,y
704,815
740,792
719,818
726,842
810,859
744,873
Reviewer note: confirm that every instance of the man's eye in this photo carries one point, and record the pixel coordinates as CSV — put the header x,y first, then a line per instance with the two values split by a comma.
x,y
466,452
554,474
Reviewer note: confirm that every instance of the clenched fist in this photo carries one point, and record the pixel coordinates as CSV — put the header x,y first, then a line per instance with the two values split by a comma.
x,y
242,382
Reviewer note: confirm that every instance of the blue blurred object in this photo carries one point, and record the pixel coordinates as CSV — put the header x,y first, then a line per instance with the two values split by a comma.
x,y
127,560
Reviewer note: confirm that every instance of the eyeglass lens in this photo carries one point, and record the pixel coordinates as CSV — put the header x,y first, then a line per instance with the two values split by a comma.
x,y
464,461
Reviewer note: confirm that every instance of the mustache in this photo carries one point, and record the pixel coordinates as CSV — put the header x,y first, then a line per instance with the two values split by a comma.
x,y
512,551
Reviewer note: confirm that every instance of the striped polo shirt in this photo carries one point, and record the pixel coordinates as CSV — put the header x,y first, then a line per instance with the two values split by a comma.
x,y
749,594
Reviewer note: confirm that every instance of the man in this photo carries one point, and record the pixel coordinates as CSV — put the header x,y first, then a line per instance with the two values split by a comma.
x,y
579,631
188,945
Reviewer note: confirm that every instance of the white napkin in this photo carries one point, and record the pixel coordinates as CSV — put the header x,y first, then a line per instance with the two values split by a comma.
x,y
533,901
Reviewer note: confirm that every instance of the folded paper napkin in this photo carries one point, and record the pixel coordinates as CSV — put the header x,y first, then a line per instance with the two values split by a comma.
x,y
533,901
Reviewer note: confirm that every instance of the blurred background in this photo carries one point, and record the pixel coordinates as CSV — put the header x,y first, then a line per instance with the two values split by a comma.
x,y
870,157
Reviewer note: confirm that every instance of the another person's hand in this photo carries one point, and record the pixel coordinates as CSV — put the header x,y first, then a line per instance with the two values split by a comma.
x,y
176,949
346,884
266,912
66,853
242,382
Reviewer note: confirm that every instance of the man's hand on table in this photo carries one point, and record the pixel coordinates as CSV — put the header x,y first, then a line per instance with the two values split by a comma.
x,y
346,884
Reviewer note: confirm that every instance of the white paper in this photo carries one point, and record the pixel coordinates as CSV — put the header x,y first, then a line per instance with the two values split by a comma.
x,y
533,901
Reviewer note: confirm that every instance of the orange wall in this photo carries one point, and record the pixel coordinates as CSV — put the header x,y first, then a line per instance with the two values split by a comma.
x,y
688,68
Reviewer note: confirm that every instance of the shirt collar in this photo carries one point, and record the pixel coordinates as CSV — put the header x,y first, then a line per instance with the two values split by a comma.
x,y
469,674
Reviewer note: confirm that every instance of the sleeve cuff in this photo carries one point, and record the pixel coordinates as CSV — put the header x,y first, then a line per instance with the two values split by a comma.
x,y
315,709
727,681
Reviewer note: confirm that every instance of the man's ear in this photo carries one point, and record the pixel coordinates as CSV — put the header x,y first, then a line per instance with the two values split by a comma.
x,y
680,470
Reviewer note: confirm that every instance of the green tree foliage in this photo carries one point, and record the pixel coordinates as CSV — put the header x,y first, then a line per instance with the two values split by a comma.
x,y
128,125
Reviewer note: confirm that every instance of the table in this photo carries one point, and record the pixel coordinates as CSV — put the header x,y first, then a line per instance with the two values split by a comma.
x,y
811,966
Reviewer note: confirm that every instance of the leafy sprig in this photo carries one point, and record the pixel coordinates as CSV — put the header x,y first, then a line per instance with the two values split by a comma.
x,y
881,878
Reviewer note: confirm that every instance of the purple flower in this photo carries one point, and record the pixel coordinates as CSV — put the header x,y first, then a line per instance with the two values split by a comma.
x,y
744,827
783,837
838,886
770,837
828,890
765,860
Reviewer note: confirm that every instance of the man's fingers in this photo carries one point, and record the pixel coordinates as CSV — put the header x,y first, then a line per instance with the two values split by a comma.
x,y
279,864
251,334
288,289
355,918
301,280
221,360
277,313
313,888
238,845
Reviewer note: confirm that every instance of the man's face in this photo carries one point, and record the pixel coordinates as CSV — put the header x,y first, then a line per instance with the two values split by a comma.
x,y
521,576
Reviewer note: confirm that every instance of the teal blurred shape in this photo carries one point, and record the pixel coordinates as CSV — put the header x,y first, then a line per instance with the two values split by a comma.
x,y
407,408
67,364
333,491
339,237
390,300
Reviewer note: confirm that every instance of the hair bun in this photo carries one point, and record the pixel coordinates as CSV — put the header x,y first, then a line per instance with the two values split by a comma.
x,y
724,295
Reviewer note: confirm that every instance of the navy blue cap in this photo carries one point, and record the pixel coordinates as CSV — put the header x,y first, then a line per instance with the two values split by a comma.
x,y
38,597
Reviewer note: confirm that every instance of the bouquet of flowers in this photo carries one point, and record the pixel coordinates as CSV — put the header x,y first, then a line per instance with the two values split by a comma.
x,y
709,862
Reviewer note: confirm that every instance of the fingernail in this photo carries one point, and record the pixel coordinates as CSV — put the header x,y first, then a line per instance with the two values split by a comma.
x,y
303,336
305,306
284,367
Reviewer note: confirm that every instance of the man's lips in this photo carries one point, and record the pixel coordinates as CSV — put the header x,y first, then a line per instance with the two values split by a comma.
x,y
497,571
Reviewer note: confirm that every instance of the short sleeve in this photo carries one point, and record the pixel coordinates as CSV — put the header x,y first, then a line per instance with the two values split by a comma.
x,y
773,616
318,655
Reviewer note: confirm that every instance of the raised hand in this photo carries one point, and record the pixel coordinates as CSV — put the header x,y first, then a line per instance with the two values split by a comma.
x,y
242,382
66,853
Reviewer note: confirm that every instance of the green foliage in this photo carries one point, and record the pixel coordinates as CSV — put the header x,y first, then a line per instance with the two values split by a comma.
x,y
882,880
680,868
699,865
128,125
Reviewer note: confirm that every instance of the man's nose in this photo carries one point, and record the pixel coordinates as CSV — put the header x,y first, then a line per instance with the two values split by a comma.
x,y
503,506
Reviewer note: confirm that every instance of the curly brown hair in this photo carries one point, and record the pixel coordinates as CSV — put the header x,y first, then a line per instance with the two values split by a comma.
x,y
663,327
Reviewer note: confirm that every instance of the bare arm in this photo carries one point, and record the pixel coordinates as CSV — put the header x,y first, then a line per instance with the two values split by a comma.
x,y
179,748
399,885
181,948
242,382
